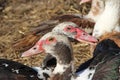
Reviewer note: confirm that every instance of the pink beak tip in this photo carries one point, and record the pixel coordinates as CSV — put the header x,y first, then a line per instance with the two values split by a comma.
x,y
94,40
23,55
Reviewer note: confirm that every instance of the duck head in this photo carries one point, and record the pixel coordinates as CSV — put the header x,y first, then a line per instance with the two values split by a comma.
x,y
49,43
58,46
73,31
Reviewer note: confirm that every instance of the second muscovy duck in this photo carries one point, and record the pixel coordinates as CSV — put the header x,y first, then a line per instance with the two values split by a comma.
x,y
101,66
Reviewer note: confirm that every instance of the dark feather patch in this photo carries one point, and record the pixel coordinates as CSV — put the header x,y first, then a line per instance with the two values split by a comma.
x,y
106,60
49,61
64,53
65,76
15,69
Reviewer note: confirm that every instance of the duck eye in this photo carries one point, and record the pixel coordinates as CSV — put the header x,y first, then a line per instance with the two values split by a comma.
x,y
84,33
51,39
34,48
68,28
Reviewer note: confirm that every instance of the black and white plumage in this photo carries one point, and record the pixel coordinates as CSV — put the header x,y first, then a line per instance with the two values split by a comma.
x,y
106,61
11,70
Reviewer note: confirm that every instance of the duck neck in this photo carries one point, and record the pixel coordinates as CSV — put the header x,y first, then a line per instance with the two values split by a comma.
x,y
64,67
62,72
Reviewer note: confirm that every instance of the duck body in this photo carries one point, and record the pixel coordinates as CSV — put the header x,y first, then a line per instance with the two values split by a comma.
x,y
106,15
97,8
107,69
109,19
105,63
11,70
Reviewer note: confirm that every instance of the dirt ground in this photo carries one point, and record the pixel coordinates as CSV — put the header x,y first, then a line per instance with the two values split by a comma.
x,y
17,17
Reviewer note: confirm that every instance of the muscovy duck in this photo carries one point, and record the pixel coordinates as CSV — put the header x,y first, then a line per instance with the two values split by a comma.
x,y
101,66
60,47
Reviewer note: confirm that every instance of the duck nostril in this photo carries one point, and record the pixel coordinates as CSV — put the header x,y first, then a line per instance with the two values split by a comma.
x,y
51,39
98,40
84,33
34,48
68,28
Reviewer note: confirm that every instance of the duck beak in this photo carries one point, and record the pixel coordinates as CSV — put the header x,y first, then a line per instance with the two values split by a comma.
x,y
85,37
32,51
84,1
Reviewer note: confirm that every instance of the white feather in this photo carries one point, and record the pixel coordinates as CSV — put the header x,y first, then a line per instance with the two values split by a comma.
x,y
41,71
109,19
87,74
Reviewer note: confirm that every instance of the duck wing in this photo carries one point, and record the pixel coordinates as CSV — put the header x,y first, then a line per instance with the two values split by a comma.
x,y
17,71
108,68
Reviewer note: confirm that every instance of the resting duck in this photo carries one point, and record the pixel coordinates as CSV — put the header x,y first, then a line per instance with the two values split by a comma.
x,y
101,66
106,14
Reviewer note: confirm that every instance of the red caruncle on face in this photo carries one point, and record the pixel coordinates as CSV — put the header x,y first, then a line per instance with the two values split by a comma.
x,y
70,29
